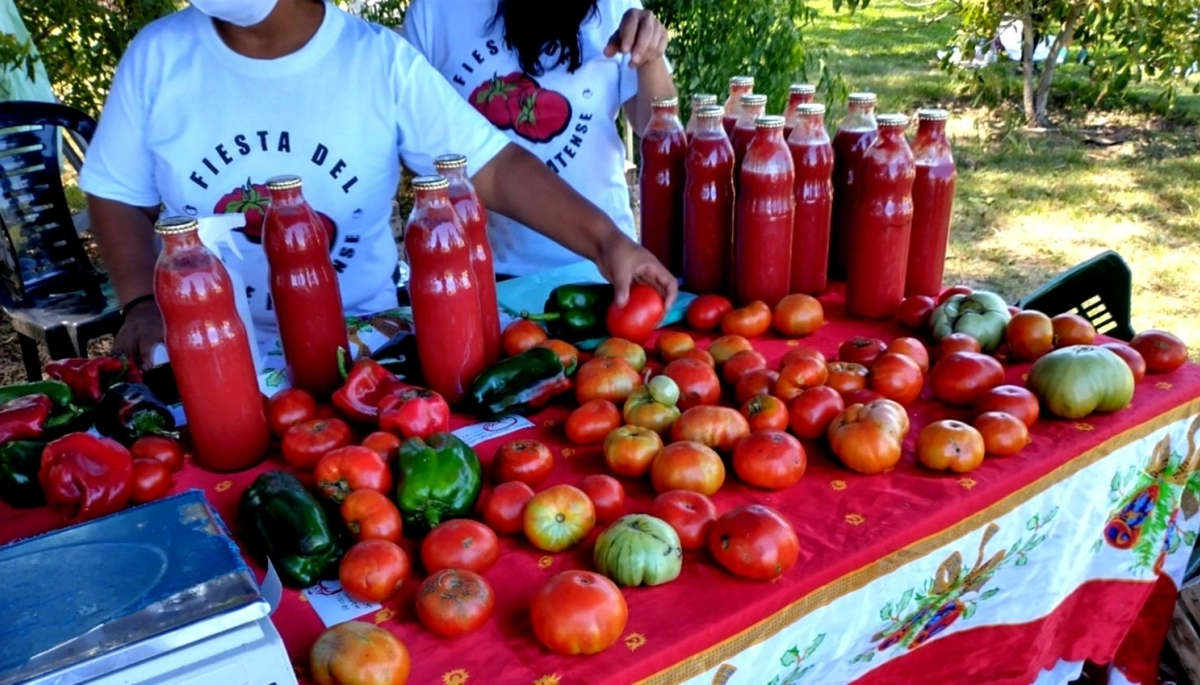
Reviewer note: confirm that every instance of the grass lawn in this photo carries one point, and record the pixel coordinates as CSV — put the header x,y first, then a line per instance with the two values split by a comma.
x,y
1030,204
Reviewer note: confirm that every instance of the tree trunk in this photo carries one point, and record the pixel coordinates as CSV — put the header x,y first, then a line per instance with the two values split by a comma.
x,y
1027,46
1061,42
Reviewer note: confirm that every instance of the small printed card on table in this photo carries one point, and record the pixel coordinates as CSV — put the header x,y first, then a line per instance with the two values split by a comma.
x,y
333,605
482,432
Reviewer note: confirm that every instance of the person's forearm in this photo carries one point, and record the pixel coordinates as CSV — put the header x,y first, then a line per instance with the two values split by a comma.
x,y
654,81
519,186
125,236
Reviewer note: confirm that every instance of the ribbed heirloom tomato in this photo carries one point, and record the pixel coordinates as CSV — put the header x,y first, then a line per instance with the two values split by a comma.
x,y
754,542
687,465
742,363
1162,351
607,495
371,515
629,450
527,461
750,321
950,445
606,378
769,459
960,379
558,517
504,507
761,382
706,311
691,514
766,412
349,469
460,543
813,411
1003,434
578,612
799,376
698,383
1030,335
867,437
1010,399
592,422
718,427
798,315
453,602
896,377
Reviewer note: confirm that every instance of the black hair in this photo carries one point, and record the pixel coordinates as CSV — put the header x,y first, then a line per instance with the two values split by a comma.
x,y
533,28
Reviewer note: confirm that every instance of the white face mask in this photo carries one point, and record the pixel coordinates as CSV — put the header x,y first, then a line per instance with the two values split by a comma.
x,y
237,12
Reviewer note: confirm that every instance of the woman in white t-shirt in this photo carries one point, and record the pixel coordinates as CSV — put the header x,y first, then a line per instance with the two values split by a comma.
x,y
553,77
209,102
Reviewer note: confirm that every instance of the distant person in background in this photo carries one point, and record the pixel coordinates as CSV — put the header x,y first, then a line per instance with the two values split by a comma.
x,y
553,76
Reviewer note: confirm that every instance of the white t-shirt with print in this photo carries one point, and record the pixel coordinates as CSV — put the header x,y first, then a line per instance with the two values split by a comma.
x,y
199,128
566,120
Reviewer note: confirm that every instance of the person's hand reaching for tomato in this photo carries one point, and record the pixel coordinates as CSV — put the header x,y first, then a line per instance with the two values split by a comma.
x,y
624,262
641,35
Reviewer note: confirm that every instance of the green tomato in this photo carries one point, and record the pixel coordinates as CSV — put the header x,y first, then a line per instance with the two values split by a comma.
x,y
664,390
639,550
1074,381
981,315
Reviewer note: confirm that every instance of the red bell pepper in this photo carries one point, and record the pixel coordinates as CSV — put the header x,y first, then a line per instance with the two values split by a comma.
x,y
24,418
85,476
414,412
88,378
366,383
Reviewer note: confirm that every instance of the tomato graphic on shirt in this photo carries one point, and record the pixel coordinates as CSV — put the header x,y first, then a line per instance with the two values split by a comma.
x,y
518,103
252,201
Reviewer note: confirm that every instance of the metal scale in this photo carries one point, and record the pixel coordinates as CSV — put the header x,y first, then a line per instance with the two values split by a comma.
x,y
156,594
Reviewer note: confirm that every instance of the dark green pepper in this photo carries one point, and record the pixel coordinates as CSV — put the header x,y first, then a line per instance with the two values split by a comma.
x,y
576,311
284,521
518,384
58,392
439,479
19,464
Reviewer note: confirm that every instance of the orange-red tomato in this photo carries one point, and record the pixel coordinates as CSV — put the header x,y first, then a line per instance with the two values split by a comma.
x,y
846,376
799,376
1162,351
867,437
1132,358
812,412
358,653
718,427
726,346
750,321
896,377
607,495
568,354
761,382
289,407
504,507
1010,399
915,311
769,459
798,315
453,602
640,315
1072,329
521,335
913,349
742,363
527,461
699,355
690,513
1003,434
672,345
1030,335
950,445
592,422
578,612
351,468
960,379
754,542
797,353
371,515
620,348
606,378
698,383
384,444
460,543
955,342
687,465
766,412
861,350
706,311
629,450
373,570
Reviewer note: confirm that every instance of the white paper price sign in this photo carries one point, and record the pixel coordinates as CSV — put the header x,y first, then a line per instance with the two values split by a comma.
x,y
333,605
482,432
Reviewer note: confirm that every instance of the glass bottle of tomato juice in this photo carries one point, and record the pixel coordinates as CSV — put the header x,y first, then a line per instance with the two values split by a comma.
x,y
933,202
304,289
209,350
812,157
698,100
798,94
660,183
474,220
444,292
766,207
708,206
882,224
754,106
738,86
854,135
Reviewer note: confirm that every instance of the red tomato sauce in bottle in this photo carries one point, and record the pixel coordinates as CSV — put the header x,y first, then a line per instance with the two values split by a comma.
x,y
708,206
854,135
660,183
738,86
753,107
209,351
812,157
766,207
798,94
877,255
933,203
304,289
698,100
444,292
474,221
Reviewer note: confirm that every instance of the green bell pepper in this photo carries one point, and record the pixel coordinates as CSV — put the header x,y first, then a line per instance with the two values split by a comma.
x,y
19,464
439,479
518,384
576,312
289,525
58,392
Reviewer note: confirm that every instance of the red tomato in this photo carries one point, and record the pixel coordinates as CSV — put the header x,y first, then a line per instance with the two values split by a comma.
x,y
158,448
371,515
950,445
867,437
861,351
305,443
673,345
691,514
639,317
629,450
846,376
151,480
798,315
568,354
961,378
723,348
460,543
769,459
706,311
952,291
861,396
454,602
1003,434
578,612
754,542
718,427
522,335
687,465
798,353
289,407
373,570
913,349
592,422
384,444
761,382
631,352
1133,358
799,376
955,342
607,495
1162,351
766,412
351,468
1072,329
606,378
699,355
559,517
527,461
915,311
896,377
750,321
504,507
1010,399
698,383
1030,335
742,363
813,411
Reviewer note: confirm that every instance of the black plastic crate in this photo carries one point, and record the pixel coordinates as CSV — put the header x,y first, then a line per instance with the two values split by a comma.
x,y
1100,289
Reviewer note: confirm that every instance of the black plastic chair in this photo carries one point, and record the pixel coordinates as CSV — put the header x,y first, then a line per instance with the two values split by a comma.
x,y
1099,289
48,285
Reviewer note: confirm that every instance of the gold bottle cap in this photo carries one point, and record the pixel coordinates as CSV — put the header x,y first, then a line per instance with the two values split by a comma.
x,y
754,100
885,120
664,103
771,121
174,225
710,112
742,81
430,182
932,115
810,109
803,88
703,99
284,182
862,97
453,161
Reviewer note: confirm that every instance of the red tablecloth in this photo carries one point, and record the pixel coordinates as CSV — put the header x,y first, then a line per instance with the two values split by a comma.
x,y
852,529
